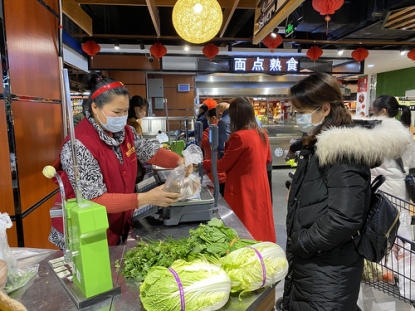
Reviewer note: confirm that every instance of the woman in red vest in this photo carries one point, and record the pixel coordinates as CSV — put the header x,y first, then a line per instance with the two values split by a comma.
x,y
212,119
247,154
107,151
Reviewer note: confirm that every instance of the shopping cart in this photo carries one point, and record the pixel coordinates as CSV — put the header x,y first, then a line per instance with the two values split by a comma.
x,y
395,274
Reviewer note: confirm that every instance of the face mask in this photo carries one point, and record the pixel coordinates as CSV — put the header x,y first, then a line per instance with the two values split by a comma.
x,y
305,123
114,124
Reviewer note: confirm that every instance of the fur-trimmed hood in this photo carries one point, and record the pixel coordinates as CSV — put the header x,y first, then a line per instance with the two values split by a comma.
x,y
371,146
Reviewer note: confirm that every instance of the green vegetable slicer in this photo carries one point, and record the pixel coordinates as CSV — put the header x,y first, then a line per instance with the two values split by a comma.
x,y
84,270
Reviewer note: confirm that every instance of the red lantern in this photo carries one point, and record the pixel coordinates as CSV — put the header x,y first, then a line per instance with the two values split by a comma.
x,y
314,53
210,51
360,54
91,48
327,7
158,50
411,54
272,41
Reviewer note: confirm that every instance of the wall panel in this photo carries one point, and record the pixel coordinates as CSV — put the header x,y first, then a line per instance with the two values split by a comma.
x,y
38,135
37,226
130,62
129,77
32,48
136,90
6,188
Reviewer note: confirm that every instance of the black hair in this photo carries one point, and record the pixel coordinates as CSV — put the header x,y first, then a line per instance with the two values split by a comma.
x,y
204,107
94,82
211,113
137,101
392,106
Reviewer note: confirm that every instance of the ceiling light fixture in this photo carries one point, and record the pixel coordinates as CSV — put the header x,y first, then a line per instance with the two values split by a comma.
x,y
116,46
403,52
186,48
370,66
192,19
340,52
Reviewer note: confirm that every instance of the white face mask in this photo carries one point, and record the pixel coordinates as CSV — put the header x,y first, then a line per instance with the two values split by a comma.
x,y
114,124
305,123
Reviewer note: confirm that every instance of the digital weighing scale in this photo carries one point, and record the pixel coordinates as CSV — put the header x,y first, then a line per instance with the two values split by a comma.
x,y
200,208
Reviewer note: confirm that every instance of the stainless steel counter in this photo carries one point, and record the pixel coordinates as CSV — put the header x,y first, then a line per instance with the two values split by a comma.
x,y
45,293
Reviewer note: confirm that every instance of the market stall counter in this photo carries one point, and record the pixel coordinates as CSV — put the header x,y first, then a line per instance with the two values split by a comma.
x,y
45,292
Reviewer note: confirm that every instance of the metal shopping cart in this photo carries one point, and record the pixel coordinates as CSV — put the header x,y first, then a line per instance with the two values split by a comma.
x,y
395,274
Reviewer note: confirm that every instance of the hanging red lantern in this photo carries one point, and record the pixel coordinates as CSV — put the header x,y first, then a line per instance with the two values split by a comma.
x,y
272,41
91,48
360,54
314,53
158,50
327,7
210,51
411,55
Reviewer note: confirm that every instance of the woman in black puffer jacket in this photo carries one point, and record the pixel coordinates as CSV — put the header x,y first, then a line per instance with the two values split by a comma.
x,y
329,197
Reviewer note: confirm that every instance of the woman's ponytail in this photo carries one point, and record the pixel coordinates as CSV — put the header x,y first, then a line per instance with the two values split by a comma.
x,y
405,115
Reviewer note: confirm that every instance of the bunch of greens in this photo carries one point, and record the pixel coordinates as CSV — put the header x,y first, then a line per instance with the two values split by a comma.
x,y
209,242
244,266
206,287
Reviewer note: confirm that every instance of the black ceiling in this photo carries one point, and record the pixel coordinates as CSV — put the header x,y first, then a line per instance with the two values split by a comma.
x,y
356,20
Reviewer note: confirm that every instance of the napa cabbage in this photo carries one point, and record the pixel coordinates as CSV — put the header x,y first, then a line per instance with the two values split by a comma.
x,y
206,287
245,269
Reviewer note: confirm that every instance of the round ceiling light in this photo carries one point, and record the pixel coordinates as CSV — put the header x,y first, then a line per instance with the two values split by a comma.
x,y
197,21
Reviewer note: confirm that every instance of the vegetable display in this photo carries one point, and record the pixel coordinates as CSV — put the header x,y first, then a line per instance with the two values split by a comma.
x,y
186,286
210,242
254,267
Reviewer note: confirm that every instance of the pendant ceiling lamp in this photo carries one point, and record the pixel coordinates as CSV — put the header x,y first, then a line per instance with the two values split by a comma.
x,y
197,21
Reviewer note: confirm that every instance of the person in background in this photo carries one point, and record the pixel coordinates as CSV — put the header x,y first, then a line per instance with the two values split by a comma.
x,y
138,110
108,151
387,107
78,118
330,196
247,154
212,119
223,127
207,104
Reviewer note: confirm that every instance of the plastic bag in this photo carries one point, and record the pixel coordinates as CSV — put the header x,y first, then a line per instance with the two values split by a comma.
x,y
16,278
162,138
177,181
403,262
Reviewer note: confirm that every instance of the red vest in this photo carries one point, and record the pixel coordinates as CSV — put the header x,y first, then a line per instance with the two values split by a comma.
x,y
118,178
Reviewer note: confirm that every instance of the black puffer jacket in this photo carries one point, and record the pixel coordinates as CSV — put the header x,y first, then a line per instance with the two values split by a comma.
x,y
328,203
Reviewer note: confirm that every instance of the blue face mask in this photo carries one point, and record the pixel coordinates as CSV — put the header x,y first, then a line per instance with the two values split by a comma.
x,y
305,122
114,124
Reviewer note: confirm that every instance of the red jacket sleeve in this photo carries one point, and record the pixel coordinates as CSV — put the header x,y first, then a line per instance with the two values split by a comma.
x,y
117,202
269,158
205,139
165,158
233,152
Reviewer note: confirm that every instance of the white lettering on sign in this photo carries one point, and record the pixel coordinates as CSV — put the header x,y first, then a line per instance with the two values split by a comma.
x,y
258,65
240,64
275,64
292,64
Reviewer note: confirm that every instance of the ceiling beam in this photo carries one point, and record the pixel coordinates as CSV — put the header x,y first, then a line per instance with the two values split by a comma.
x,y
71,9
227,16
155,17
299,41
243,4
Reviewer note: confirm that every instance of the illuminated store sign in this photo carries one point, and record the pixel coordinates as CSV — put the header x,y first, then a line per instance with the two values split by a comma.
x,y
266,64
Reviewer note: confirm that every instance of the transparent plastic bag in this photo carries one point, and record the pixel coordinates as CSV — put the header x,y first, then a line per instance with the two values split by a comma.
x,y
162,138
16,278
178,182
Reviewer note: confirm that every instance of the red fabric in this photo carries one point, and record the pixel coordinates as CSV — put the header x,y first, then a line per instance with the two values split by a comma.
x,y
118,178
208,154
117,202
165,158
247,189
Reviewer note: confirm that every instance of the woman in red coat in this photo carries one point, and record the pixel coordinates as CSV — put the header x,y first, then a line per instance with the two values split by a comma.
x,y
211,117
247,154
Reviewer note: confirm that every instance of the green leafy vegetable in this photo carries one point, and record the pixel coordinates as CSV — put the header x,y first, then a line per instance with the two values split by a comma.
x,y
206,287
209,242
245,269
